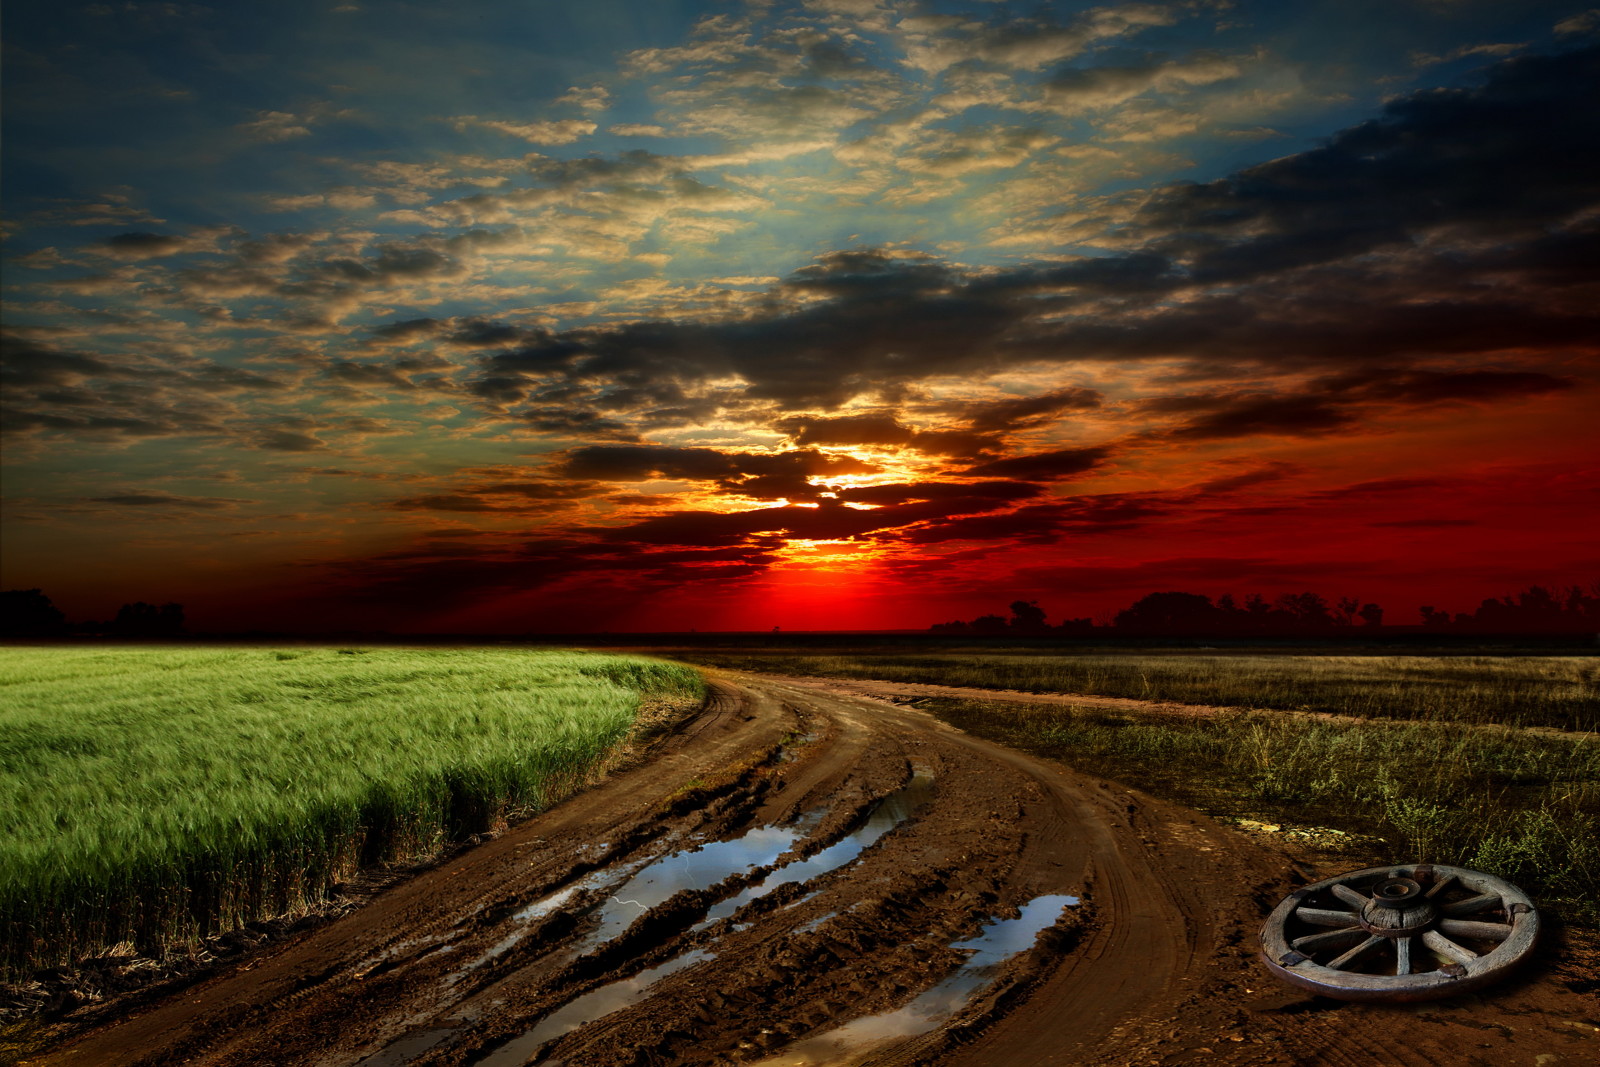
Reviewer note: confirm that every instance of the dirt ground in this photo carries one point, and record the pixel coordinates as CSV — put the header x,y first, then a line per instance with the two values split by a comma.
x,y
799,876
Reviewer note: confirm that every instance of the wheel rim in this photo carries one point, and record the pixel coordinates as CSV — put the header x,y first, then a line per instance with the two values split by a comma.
x,y
1400,933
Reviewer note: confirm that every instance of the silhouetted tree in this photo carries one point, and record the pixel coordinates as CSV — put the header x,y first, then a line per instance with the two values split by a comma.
x,y
29,613
1434,619
1304,611
1372,615
1027,617
1170,613
989,624
146,620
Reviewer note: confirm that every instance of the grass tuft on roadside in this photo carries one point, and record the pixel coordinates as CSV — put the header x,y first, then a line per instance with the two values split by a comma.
x,y
154,796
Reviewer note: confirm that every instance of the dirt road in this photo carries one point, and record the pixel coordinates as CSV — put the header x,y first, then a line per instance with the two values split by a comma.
x,y
802,876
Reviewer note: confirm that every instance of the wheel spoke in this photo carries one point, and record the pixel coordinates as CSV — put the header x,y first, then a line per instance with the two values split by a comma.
x,y
1326,917
1446,947
1438,887
1477,931
1350,896
1311,942
1366,946
1402,956
1481,902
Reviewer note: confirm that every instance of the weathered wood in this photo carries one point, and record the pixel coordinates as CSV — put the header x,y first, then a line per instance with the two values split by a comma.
x,y
1478,931
1481,902
1350,896
1360,950
1325,917
1312,942
1446,947
1439,886
1402,956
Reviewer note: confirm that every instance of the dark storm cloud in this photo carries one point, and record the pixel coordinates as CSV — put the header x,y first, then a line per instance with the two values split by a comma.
x,y
643,463
288,440
405,331
444,574
1047,523
52,389
832,520
29,363
901,493
845,431
1248,416
165,500
1430,387
1064,463
350,373
1027,411
1521,151
446,502
144,245
1337,402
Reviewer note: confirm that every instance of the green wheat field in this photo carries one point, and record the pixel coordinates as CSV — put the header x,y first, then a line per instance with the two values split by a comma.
x,y
155,795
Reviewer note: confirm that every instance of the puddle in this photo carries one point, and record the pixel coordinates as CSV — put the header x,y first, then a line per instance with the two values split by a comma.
x,y
407,1049
890,812
527,917
585,1009
997,943
692,869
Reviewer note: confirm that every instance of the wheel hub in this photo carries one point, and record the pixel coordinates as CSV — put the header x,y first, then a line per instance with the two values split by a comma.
x,y
1398,908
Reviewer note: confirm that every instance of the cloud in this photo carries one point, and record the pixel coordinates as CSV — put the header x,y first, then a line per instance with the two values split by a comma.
x,y
140,245
557,131
151,499
1028,411
1078,89
274,126
1247,416
1063,463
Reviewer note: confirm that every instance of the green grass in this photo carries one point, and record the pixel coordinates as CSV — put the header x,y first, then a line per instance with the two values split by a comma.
x,y
1520,805
155,795
1557,691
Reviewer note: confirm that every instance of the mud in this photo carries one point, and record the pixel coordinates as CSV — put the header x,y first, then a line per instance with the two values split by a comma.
x,y
815,876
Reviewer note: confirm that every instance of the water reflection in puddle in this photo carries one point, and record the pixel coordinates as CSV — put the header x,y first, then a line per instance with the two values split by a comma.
x,y
585,1009
697,869
890,812
998,943
406,1049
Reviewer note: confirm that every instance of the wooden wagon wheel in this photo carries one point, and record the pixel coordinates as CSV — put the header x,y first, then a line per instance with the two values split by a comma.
x,y
1411,932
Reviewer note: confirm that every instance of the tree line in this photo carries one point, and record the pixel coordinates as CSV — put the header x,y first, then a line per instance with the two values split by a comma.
x,y
1537,609
29,613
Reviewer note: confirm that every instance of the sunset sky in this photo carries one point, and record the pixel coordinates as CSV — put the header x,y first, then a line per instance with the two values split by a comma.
x,y
510,316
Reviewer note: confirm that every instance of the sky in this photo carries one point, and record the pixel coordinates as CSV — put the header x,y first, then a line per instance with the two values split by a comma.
x,y
838,314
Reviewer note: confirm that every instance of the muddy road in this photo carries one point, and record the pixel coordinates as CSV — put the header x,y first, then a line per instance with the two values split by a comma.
x,y
805,877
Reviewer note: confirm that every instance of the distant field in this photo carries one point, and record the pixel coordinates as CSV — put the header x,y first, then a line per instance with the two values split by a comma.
x,y
1558,691
1423,775
150,795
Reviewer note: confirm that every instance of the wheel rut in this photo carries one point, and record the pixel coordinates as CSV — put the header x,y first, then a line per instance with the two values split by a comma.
x,y
800,876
